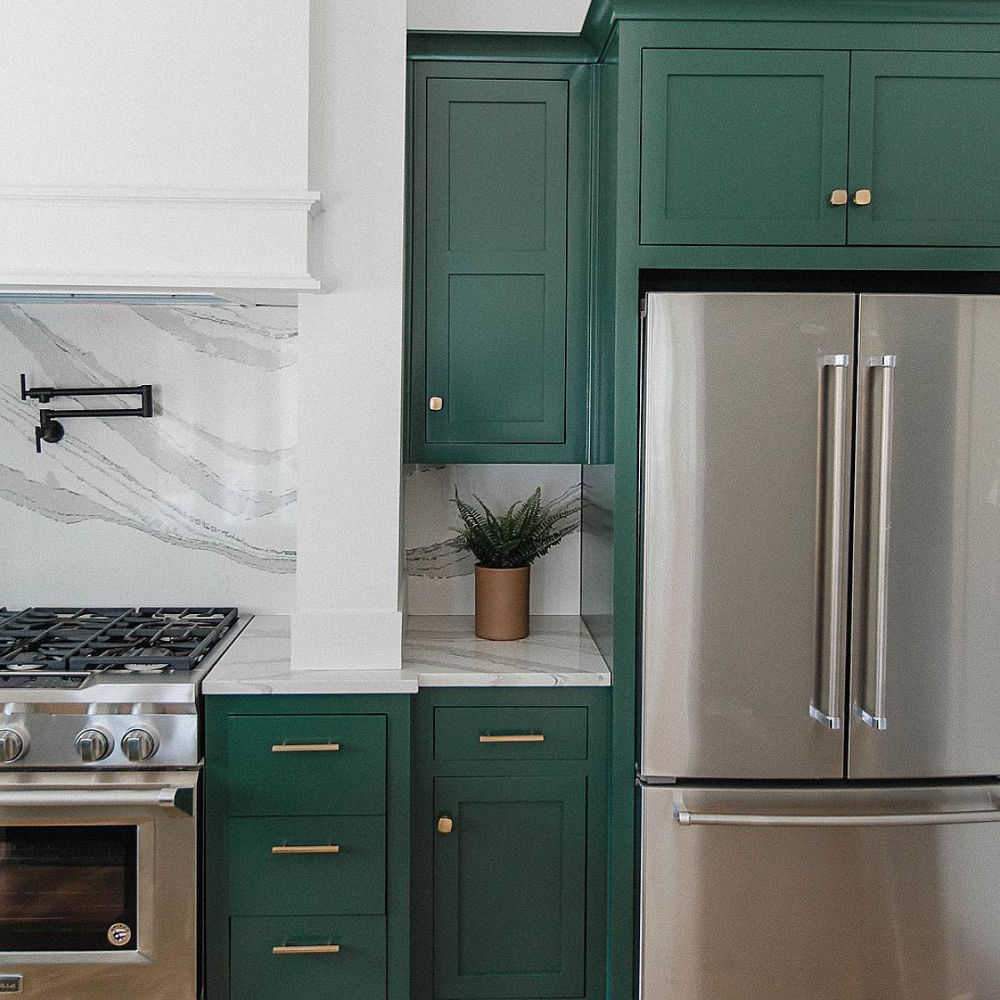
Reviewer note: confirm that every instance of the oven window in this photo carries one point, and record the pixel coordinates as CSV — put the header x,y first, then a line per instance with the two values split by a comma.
x,y
68,888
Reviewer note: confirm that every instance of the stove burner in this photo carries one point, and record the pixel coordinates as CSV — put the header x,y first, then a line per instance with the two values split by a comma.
x,y
95,639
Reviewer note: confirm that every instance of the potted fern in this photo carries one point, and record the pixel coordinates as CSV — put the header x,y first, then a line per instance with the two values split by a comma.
x,y
505,546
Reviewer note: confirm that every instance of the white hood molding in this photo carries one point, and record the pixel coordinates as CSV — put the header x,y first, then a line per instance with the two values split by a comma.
x,y
158,146
69,239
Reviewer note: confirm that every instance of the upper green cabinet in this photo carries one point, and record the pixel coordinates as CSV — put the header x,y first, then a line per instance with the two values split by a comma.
x,y
742,146
925,140
498,321
796,148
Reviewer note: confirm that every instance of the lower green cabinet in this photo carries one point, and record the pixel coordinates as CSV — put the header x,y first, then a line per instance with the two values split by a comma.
x,y
308,958
452,848
307,854
510,887
509,863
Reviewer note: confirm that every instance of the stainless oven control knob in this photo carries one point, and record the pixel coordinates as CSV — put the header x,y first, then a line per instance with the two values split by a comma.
x,y
92,746
139,745
11,746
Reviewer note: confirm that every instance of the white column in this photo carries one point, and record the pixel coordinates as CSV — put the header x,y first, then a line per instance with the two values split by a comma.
x,y
350,343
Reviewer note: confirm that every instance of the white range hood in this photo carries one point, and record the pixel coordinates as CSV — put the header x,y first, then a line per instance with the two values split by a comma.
x,y
155,147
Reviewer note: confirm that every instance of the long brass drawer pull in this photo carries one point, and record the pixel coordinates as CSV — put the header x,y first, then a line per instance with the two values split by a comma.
x,y
526,738
305,949
306,849
304,747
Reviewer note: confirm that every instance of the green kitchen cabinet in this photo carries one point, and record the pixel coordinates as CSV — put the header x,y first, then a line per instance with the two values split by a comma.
x,y
925,140
743,146
509,837
499,263
509,887
307,805
785,147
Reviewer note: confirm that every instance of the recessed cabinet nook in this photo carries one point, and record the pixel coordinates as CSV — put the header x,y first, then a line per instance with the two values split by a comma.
x,y
479,844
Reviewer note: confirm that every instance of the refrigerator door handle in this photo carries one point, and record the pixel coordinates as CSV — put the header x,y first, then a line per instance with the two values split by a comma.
x,y
686,818
871,707
831,516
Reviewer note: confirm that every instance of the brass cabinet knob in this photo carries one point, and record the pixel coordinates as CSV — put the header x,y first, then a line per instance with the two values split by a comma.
x,y
862,196
436,403
445,824
839,197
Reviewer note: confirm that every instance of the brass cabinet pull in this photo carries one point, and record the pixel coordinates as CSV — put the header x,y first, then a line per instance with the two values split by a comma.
x,y
305,949
862,197
445,824
306,849
526,738
839,197
435,403
304,747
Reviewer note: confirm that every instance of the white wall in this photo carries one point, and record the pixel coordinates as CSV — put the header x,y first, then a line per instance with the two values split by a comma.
x,y
350,343
171,94
534,16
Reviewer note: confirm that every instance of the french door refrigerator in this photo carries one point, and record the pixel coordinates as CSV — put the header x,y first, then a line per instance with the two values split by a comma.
x,y
820,699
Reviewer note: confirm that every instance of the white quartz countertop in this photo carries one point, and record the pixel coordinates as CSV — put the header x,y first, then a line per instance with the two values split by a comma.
x,y
438,651
443,651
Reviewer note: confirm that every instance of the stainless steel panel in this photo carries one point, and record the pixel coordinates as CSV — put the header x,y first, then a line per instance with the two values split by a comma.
x,y
164,966
926,622
746,437
896,910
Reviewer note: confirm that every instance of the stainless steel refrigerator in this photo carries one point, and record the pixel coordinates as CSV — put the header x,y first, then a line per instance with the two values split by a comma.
x,y
820,647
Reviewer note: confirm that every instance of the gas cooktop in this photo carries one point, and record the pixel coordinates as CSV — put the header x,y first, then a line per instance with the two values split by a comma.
x,y
72,643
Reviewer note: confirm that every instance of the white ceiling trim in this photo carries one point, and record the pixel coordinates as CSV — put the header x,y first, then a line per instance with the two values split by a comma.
x,y
547,17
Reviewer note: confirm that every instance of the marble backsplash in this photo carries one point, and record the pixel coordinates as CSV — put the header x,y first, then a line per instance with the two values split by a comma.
x,y
193,506
439,579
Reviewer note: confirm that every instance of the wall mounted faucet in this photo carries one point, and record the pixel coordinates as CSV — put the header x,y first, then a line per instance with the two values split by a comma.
x,y
49,428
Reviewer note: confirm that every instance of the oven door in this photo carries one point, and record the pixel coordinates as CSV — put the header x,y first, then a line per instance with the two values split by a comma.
x,y
98,885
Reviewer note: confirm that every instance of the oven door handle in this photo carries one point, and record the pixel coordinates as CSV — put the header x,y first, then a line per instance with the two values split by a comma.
x,y
60,798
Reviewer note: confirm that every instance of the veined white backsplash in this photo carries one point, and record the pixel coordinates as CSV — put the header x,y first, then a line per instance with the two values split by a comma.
x,y
193,506
440,579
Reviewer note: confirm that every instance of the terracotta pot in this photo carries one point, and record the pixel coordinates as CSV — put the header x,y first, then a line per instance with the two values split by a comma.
x,y
502,602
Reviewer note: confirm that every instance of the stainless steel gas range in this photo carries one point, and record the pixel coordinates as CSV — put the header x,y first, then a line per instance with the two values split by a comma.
x,y
100,760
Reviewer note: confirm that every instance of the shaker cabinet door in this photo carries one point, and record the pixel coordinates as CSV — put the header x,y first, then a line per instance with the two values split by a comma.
x,y
499,266
743,146
925,141
509,887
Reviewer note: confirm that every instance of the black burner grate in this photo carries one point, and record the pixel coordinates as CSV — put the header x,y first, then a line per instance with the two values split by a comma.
x,y
108,638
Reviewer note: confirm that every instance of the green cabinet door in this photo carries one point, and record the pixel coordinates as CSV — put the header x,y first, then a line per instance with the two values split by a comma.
x,y
509,887
743,146
499,262
925,140
496,260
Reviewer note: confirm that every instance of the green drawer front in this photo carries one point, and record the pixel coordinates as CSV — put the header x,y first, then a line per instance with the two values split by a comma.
x,y
356,972
504,733
264,781
264,881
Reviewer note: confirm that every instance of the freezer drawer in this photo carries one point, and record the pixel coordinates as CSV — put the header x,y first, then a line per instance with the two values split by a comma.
x,y
820,894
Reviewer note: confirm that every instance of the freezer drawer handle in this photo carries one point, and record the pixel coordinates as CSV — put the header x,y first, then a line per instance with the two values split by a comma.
x,y
685,818
831,517
870,707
